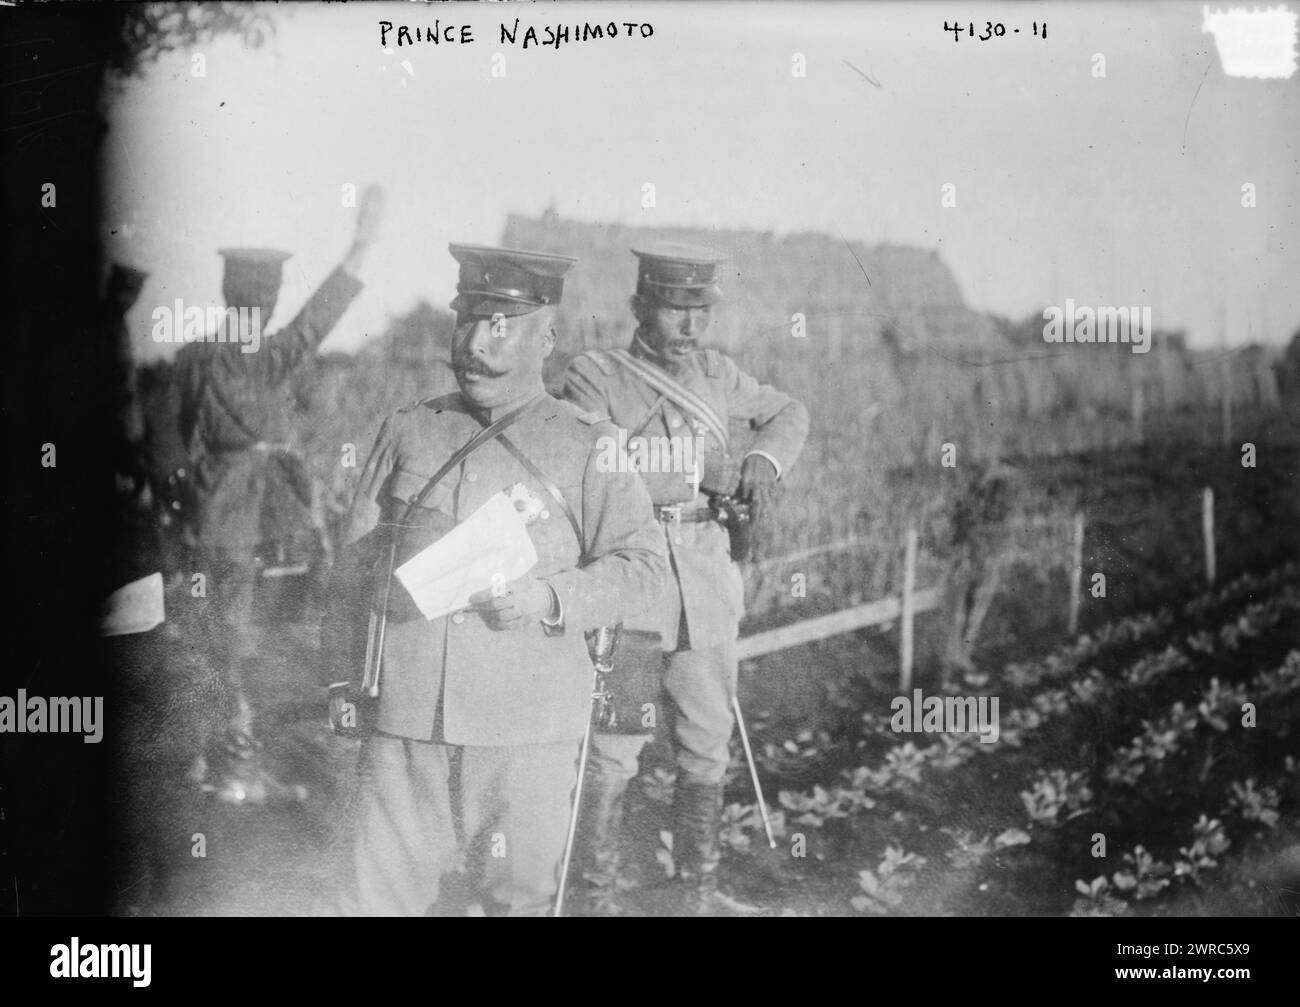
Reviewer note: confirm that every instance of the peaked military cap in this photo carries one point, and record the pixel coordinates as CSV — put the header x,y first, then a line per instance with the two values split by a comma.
x,y
263,266
507,281
683,276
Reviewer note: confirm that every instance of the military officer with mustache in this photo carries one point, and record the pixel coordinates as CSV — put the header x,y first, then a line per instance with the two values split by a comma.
x,y
473,754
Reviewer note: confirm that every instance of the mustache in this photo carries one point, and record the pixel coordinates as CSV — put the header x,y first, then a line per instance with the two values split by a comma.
x,y
473,365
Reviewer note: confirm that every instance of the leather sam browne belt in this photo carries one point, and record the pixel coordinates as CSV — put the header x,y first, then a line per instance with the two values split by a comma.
x,y
680,514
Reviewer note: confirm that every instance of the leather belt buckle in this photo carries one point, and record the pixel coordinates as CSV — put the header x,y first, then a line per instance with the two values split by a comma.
x,y
671,514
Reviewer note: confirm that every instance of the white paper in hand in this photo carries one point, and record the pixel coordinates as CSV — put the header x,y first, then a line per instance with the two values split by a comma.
x,y
490,546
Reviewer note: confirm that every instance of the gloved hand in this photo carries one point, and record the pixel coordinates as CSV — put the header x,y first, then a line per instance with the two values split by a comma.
x,y
757,483
515,605
758,488
343,711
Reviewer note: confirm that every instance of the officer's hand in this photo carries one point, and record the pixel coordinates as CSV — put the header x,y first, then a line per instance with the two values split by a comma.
x,y
757,481
343,711
515,605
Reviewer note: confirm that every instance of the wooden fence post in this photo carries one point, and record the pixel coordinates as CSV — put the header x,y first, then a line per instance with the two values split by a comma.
x,y
1076,572
907,612
1207,530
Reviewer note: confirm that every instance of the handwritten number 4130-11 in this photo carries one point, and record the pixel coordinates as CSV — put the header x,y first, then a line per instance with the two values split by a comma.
x,y
991,30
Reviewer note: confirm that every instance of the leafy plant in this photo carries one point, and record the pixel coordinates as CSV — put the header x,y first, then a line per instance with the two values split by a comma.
x,y
904,764
794,753
952,750
1153,666
1090,688
1051,703
1255,805
1054,792
1208,841
1219,703
1097,899
812,809
1280,681
741,822
883,888
1146,876
1159,739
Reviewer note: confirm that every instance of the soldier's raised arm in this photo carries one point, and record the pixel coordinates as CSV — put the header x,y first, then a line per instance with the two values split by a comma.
x,y
284,351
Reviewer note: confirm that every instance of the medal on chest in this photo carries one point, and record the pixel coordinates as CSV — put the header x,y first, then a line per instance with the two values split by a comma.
x,y
529,505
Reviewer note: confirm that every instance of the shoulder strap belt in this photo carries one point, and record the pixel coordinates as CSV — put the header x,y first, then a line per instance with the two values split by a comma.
x,y
549,486
489,431
680,396
655,409
495,430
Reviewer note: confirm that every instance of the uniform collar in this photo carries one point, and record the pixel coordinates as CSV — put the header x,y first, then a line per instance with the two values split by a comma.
x,y
494,413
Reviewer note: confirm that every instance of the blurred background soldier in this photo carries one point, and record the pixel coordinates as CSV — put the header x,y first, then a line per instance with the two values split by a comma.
x,y
472,752
977,536
249,487
667,386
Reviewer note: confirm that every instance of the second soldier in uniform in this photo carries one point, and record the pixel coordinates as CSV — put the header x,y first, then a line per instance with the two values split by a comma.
x,y
668,386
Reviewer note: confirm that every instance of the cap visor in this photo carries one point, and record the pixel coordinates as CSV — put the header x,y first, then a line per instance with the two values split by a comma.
x,y
486,306
685,297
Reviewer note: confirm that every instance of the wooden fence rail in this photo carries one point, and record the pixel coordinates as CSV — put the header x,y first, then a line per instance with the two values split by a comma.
x,y
873,613
910,602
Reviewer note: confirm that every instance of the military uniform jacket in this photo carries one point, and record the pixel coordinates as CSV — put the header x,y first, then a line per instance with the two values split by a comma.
x,y
454,679
250,486
710,592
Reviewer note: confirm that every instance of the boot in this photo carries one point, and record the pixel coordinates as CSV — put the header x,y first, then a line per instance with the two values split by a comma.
x,y
697,819
601,831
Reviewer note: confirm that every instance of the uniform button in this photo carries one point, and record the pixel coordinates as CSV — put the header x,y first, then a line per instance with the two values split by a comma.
x,y
458,618
677,540
412,498
471,477
675,423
